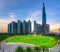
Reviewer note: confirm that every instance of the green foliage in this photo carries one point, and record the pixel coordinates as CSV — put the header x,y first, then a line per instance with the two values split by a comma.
x,y
37,49
3,37
19,49
29,49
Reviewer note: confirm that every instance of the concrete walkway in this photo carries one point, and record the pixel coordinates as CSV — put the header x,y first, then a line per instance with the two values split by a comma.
x,y
10,47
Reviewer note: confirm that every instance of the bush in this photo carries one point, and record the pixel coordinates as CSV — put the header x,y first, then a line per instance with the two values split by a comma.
x,y
37,49
19,49
29,49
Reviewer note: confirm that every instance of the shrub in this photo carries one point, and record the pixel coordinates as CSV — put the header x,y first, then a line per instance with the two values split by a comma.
x,y
37,49
29,49
19,49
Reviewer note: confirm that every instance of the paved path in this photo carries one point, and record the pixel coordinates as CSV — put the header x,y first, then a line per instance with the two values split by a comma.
x,y
10,47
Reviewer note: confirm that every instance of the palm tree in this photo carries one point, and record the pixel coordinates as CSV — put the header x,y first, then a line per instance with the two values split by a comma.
x,y
19,49
29,49
37,49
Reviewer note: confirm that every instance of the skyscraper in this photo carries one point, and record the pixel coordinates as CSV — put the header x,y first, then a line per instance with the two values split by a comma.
x,y
9,28
19,27
29,27
43,19
37,28
47,28
26,27
14,27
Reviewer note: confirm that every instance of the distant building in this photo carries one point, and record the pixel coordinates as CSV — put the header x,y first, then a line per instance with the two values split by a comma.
x,y
37,28
26,27
14,28
19,27
29,27
9,28
45,27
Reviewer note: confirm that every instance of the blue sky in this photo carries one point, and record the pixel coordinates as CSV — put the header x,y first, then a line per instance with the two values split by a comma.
x,y
12,10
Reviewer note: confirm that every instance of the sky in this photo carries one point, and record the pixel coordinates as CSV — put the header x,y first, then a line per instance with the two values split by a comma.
x,y
13,10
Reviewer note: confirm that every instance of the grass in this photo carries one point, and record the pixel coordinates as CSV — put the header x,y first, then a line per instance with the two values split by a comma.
x,y
37,40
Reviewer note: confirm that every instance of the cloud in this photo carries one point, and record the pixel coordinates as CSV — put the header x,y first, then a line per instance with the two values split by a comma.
x,y
34,16
37,16
5,21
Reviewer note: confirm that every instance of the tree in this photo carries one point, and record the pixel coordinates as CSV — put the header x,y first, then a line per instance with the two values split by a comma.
x,y
29,49
37,49
44,49
19,49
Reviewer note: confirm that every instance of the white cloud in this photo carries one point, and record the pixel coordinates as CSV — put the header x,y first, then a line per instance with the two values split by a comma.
x,y
5,21
37,16
34,16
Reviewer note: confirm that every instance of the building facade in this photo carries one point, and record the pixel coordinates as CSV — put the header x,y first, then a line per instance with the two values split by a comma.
x,y
48,28
9,28
24,27
14,27
19,27
37,28
29,27
45,26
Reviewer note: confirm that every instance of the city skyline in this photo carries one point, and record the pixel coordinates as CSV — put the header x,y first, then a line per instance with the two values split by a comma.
x,y
19,27
29,10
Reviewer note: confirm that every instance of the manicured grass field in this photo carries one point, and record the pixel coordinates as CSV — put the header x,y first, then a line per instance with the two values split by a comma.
x,y
37,40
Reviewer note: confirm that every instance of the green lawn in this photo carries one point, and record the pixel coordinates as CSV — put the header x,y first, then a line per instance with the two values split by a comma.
x,y
37,40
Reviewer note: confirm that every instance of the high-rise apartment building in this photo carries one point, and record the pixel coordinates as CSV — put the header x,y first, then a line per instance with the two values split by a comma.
x,y
13,27
37,28
29,27
9,28
19,27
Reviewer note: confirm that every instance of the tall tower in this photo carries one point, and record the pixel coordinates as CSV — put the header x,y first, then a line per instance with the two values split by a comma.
x,y
43,19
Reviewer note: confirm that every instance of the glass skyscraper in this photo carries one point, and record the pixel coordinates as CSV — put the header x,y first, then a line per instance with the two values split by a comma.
x,y
44,25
